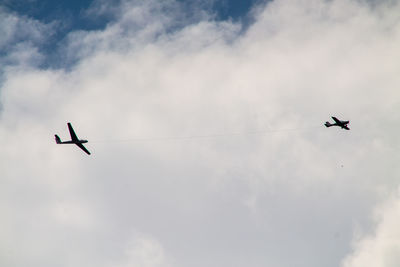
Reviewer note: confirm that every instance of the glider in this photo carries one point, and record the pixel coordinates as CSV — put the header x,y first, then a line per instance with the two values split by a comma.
x,y
74,139
341,124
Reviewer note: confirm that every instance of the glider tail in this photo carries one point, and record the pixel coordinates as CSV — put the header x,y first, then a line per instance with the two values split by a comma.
x,y
58,140
327,124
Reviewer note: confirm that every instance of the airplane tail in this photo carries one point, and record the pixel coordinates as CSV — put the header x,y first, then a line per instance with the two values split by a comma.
x,y
58,140
327,124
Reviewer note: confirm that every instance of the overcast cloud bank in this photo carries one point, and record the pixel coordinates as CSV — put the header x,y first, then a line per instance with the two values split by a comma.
x,y
305,197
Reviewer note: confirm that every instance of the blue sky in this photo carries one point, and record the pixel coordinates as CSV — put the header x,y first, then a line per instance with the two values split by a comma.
x,y
71,15
47,11
71,10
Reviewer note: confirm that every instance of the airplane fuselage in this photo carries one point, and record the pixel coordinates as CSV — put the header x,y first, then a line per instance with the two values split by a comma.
x,y
340,124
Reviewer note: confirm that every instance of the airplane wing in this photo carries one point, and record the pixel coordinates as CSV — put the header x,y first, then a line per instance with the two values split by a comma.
x,y
83,148
345,127
336,120
72,133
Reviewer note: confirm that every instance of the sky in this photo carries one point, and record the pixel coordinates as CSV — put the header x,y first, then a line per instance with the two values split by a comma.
x,y
74,15
205,124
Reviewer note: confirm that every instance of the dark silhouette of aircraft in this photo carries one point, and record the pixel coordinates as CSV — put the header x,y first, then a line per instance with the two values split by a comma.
x,y
74,139
341,124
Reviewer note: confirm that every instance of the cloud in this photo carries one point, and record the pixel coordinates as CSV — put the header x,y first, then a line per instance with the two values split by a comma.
x,y
380,248
273,181
144,251
21,39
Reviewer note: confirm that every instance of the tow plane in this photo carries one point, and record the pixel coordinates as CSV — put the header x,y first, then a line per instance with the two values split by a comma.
x,y
74,139
341,124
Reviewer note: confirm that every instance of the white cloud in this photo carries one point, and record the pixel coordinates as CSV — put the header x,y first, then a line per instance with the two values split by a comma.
x,y
143,251
382,248
235,200
20,37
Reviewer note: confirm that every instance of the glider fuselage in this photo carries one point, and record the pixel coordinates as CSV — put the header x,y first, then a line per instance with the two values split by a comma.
x,y
74,142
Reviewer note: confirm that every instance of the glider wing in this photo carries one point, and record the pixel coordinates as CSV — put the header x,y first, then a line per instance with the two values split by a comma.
x,y
83,148
72,133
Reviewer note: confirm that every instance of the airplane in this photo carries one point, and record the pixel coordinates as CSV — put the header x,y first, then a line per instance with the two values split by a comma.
x,y
341,124
74,139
